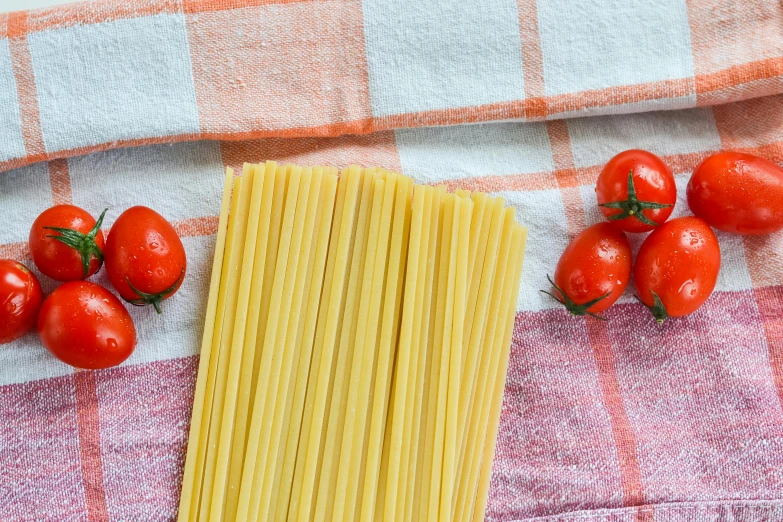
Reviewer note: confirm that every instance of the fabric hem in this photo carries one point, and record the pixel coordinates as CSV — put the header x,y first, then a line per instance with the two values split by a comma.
x,y
744,510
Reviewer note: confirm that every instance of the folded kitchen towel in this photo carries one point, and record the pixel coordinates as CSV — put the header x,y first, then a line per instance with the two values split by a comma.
x,y
115,103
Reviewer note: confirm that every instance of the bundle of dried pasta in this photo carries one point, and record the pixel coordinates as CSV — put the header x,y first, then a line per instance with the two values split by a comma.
x,y
355,349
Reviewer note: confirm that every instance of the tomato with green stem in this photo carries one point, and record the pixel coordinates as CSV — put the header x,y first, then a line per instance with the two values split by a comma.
x,y
67,243
593,271
20,299
677,267
636,191
86,326
145,258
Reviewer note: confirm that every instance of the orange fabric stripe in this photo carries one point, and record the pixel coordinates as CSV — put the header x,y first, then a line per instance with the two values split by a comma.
x,y
560,141
16,24
3,25
489,184
770,302
22,65
624,437
71,15
60,181
565,175
90,444
764,259
620,95
200,6
518,109
201,226
740,74
532,60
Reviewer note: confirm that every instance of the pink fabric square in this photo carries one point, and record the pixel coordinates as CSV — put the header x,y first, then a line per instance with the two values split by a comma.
x,y
41,474
701,401
555,451
144,421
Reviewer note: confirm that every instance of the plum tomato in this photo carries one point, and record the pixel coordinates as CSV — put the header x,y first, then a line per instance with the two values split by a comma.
x,y
677,267
738,193
86,326
593,271
145,259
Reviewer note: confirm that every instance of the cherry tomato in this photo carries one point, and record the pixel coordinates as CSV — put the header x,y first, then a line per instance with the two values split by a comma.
x,y
593,271
84,325
738,193
20,300
145,259
677,267
67,243
636,191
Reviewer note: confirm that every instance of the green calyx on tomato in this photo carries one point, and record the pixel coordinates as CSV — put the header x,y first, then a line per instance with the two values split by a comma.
x,y
572,307
83,243
658,309
153,299
633,206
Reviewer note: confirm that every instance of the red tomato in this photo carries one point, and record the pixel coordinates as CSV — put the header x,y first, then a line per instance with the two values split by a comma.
x,y
67,243
593,271
20,300
738,193
636,191
677,267
145,259
84,325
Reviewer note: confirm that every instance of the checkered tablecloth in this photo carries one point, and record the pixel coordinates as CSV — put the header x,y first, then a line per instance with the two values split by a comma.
x,y
117,103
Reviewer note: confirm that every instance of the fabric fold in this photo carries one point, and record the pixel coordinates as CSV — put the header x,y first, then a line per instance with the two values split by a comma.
x,y
99,75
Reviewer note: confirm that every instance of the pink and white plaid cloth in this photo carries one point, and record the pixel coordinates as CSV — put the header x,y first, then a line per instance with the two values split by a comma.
x,y
617,421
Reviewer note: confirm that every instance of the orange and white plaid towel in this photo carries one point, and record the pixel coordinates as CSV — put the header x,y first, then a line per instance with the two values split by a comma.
x,y
617,421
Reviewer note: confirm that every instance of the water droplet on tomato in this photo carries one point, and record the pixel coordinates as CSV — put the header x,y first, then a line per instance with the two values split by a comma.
x,y
160,272
111,343
153,245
